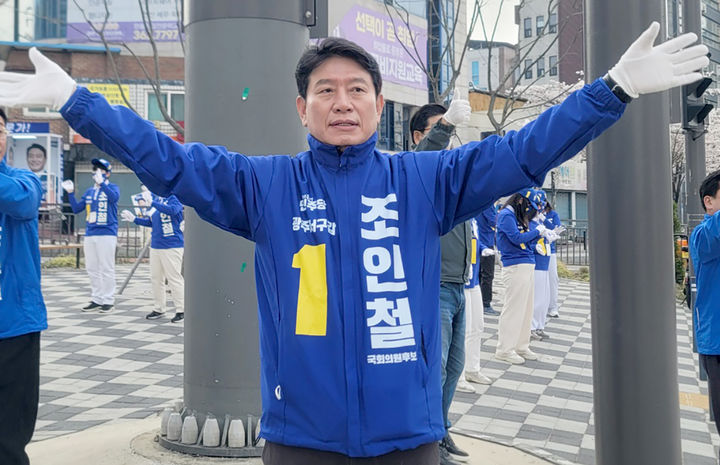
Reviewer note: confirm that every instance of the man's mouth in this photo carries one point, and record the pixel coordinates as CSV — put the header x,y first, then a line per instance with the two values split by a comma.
x,y
343,124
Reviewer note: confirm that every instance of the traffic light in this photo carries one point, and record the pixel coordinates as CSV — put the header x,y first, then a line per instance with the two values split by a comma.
x,y
695,107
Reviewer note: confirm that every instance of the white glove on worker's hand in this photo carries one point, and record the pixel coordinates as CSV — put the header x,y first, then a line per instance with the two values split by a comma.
x,y
459,110
487,252
68,186
50,86
98,177
541,229
551,236
540,217
644,69
127,215
559,230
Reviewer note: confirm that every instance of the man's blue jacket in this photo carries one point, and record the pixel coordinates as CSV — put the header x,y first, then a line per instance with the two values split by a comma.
x,y
167,214
22,309
705,254
347,256
102,200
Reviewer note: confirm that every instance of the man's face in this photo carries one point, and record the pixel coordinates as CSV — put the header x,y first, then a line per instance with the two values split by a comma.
x,y
418,136
35,159
712,204
3,139
341,107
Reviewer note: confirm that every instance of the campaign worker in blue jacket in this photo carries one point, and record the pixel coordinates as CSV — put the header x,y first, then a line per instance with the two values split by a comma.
x,y
516,241
541,248
350,358
99,202
705,255
552,222
164,216
22,310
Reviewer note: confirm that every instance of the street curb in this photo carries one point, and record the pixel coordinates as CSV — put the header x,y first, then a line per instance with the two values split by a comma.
x,y
534,451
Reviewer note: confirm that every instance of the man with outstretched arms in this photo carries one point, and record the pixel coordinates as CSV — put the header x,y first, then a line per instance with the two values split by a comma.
x,y
348,297
22,310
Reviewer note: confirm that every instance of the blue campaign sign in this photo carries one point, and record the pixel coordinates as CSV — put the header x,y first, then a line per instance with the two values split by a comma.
x,y
27,127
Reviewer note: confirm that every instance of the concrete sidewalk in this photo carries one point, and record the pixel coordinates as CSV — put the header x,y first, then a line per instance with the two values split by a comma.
x,y
132,442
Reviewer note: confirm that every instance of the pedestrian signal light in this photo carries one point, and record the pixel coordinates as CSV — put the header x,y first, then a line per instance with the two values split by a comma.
x,y
695,107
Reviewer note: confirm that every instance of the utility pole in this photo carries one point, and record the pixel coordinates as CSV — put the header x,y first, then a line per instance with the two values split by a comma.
x,y
637,414
240,93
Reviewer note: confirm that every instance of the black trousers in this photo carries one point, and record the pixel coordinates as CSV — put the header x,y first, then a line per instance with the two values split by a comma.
x,y
712,366
19,391
278,454
487,274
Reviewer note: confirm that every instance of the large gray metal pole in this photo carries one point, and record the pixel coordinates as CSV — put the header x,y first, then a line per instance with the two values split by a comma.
x,y
240,93
637,417
694,139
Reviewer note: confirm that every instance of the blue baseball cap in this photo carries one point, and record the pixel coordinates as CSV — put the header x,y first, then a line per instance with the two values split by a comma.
x,y
534,197
102,163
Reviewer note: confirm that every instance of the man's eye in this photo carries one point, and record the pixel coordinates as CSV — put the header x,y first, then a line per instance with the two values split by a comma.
x,y
325,91
358,89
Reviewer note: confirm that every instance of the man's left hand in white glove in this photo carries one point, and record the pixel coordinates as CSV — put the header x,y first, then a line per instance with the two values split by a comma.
x,y
644,68
50,86
459,110
486,252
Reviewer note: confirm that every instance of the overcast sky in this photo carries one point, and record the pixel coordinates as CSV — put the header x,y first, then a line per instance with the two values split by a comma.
x,y
507,31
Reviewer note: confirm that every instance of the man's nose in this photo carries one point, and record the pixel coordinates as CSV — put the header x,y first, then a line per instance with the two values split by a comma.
x,y
342,102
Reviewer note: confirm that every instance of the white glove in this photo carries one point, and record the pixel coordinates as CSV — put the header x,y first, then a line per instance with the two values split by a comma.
x,y
541,229
540,217
559,230
644,69
551,236
147,197
127,215
50,86
459,110
98,177
487,252
68,186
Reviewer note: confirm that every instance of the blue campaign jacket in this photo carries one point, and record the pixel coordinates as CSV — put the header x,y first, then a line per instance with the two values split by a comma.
x,y
350,348
542,257
165,223
102,218
552,221
705,254
514,244
22,309
486,226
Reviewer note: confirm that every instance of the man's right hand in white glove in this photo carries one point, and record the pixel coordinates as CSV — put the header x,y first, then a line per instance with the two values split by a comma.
x,y
645,68
68,186
50,86
98,177
541,229
486,252
147,197
459,110
127,215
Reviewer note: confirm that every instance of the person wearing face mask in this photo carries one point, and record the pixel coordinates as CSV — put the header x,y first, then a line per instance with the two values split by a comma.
x,y
100,204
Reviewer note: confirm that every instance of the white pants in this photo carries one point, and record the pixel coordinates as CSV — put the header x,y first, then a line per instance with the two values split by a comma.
x,y
166,264
552,271
474,327
100,266
516,316
541,299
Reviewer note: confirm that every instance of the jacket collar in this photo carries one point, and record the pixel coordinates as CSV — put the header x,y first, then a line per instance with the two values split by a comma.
x,y
353,155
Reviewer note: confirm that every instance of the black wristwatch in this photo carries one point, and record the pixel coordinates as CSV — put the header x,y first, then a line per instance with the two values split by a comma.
x,y
616,89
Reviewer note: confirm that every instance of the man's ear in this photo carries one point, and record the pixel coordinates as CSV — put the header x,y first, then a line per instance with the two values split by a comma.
x,y
417,136
379,105
301,109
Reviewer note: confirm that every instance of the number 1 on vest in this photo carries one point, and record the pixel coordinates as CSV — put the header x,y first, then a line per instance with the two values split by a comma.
x,y
311,319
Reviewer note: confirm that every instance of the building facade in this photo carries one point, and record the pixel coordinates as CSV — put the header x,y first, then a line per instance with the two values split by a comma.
x,y
491,65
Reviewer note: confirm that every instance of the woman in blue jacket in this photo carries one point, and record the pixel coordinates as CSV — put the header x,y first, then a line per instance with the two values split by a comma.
x,y
552,222
515,241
